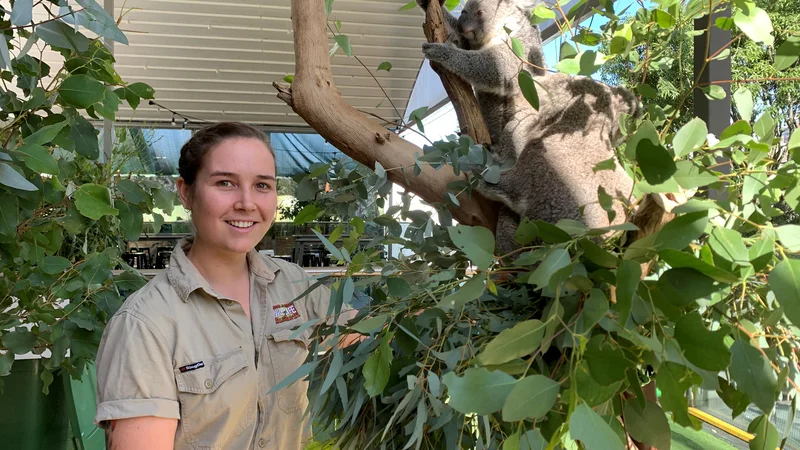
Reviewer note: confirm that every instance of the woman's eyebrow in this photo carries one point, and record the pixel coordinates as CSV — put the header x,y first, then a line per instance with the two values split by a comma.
x,y
222,174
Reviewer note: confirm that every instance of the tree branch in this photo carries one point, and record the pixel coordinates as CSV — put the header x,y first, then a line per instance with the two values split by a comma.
x,y
314,97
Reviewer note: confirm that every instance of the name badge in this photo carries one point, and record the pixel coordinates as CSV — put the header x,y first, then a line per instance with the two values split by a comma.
x,y
285,313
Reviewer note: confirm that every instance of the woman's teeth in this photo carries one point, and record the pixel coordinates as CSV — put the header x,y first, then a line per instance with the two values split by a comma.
x,y
239,224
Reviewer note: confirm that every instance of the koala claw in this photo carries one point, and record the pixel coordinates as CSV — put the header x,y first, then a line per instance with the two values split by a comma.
x,y
435,51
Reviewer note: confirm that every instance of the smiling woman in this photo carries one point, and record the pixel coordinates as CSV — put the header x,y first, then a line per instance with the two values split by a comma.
x,y
189,360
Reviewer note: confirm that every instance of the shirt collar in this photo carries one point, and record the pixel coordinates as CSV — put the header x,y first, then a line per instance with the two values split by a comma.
x,y
185,278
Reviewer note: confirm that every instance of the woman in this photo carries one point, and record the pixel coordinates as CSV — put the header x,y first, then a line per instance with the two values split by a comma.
x,y
189,359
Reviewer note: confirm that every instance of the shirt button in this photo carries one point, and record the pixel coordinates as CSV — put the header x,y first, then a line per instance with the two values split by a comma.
x,y
208,384
229,302
262,443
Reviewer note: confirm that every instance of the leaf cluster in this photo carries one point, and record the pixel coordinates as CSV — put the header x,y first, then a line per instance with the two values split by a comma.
x,y
66,212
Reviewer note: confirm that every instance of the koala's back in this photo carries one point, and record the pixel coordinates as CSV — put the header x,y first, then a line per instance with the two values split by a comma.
x,y
556,149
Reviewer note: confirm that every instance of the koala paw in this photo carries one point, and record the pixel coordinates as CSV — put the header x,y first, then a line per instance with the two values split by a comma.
x,y
436,51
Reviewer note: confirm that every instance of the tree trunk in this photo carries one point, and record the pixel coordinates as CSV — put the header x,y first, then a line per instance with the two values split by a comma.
x,y
314,97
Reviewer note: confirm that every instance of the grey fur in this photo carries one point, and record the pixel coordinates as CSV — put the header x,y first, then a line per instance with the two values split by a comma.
x,y
554,148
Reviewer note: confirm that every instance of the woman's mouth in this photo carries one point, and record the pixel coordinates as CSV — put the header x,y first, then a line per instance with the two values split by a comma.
x,y
240,223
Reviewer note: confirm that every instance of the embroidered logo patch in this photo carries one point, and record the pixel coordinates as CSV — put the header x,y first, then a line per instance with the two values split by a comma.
x,y
192,366
285,313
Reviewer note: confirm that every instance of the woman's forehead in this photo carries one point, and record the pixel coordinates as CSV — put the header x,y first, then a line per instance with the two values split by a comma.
x,y
241,156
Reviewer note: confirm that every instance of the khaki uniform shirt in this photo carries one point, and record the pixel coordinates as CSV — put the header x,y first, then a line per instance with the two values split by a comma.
x,y
177,349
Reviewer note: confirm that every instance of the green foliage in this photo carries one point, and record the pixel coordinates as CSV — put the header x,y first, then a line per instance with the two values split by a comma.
x,y
546,347
64,214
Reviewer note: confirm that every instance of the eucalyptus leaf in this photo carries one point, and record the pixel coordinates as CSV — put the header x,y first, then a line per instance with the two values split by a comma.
x,y
531,398
59,34
477,242
743,99
606,361
681,231
520,340
728,244
703,348
648,425
789,235
370,325
555,260
94,201
377,368
12,179
19,341
754,22
472,289
766,435
674,380
528,88
628,275
81,91
478,391
22,12
55,264
690,137
37,158
753,375
680,259
131,221
784,280
656,162
592,431
683,286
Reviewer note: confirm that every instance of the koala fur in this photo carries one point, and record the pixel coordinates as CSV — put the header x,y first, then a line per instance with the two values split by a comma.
x,y
555,148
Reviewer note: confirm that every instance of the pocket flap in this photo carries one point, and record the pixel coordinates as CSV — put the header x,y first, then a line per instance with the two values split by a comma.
x,y
286,335
208,378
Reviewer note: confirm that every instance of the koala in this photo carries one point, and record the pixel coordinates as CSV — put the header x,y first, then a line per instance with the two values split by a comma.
x,y
556,149
481,54
553,150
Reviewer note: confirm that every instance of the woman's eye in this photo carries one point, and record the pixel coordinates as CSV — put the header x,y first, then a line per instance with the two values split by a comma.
x,y
224,183
264,186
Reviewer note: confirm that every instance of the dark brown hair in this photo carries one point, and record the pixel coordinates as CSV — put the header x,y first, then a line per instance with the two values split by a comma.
x,y
194,151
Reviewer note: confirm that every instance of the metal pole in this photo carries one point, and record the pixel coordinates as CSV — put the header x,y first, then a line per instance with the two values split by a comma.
x,y
108,126
716,113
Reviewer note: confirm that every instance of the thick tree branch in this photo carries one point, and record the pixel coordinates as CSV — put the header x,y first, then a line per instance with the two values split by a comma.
x,y
315,98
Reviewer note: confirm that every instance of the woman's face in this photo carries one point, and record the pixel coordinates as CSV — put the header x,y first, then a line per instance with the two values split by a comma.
x,y
233,199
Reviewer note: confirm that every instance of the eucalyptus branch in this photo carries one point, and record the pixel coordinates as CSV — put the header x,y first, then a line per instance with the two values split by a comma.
x,y
401,125
373,77
752,80
566,21
33,25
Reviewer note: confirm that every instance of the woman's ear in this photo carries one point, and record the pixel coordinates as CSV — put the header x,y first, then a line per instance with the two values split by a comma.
x,y
184,192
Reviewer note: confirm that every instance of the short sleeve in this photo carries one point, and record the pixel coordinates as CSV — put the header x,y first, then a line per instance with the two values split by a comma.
x,y
134,372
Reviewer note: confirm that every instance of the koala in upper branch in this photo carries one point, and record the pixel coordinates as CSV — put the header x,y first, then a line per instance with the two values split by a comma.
x,y
481,54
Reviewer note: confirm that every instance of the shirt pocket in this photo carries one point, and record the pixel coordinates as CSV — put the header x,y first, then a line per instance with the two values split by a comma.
x,y
216,400
287,354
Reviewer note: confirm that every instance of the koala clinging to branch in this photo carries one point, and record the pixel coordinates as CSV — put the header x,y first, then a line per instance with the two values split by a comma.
x,y
556,150
478,50
556,147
